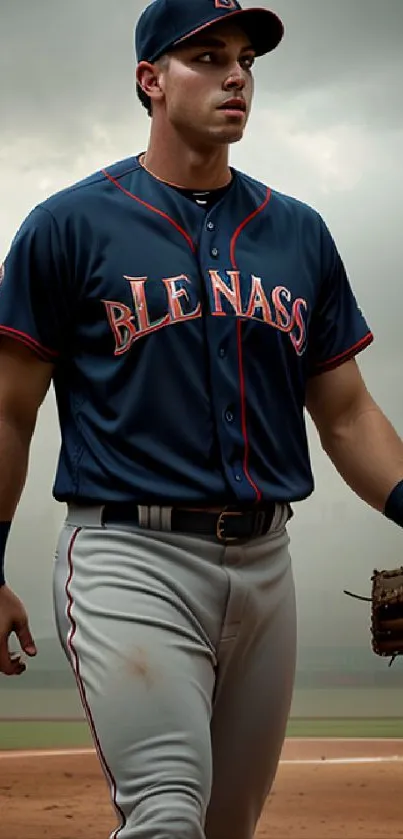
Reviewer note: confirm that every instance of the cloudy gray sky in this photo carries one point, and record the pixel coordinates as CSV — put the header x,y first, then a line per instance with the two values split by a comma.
x,y
327,127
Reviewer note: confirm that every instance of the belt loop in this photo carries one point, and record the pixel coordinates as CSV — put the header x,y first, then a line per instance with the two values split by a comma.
x,y
155,518
276,516
144,516
166,518
280,518
89,516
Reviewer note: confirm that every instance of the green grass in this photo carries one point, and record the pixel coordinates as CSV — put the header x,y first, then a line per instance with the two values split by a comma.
x,y
43,734
346,728
26,734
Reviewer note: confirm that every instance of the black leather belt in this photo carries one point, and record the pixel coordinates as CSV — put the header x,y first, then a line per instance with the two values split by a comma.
x,y
229,525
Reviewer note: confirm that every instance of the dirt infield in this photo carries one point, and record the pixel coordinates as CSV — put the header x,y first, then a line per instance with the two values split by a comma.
x,y
349,789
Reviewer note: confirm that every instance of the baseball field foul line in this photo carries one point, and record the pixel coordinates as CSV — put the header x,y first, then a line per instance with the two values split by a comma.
x,y
347,739
342,761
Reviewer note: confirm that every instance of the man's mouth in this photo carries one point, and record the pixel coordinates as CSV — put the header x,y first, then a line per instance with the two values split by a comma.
x,y
234,105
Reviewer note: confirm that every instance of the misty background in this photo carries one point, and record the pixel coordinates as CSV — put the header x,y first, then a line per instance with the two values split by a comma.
x,y
326,127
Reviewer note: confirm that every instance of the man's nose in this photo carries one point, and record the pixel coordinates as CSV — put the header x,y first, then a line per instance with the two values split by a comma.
x,y
235,80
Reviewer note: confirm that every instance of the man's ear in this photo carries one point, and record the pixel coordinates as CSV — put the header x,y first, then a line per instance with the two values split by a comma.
x,y
148,78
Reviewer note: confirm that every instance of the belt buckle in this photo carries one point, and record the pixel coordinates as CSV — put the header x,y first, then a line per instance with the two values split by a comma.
x,y
220,528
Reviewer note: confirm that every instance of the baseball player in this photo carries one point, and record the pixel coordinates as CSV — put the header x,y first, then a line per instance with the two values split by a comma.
x,y
186,315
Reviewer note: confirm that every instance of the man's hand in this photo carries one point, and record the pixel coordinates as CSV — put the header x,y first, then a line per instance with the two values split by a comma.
x,y
13,618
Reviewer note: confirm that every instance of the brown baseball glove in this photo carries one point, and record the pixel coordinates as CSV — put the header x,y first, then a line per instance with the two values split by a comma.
x,y
386,600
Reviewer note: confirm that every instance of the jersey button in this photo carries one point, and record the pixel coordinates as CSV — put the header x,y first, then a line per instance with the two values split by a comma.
x,y
210,225
221,352
238,478
229,416
214,252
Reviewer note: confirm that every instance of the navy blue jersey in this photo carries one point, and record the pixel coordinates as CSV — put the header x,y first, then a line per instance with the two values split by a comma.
x,y
182,339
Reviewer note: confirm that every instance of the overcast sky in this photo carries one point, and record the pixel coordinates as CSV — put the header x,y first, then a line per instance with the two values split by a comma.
x,y
327,127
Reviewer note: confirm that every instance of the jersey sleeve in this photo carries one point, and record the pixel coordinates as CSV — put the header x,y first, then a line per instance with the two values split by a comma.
x,y
35,298
339,330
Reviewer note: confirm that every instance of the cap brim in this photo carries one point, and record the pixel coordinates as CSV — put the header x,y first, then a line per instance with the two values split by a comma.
x,y
263,27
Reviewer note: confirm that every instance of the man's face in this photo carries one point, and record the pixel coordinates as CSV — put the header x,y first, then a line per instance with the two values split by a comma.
x,y
208,86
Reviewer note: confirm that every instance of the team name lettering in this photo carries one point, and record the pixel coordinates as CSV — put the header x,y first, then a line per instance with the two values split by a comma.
x,y
128,325
299,334
176,293
231,292
173,299
277,310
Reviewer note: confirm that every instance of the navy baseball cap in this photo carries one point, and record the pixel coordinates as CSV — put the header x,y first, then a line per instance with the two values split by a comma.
x,y
166,23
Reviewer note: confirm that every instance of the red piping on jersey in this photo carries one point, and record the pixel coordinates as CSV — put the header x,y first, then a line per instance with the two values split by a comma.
x,y
244,223
331,363
234,239
153,209
80,684
43,352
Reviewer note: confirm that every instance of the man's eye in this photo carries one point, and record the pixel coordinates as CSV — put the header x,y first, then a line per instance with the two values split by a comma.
x,y
248,61
206,58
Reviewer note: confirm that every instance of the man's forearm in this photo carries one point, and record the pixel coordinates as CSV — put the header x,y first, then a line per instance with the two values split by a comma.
x,y
14,453
368,454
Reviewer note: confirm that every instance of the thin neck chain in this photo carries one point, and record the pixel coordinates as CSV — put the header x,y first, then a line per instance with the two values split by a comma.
x,y
170,183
